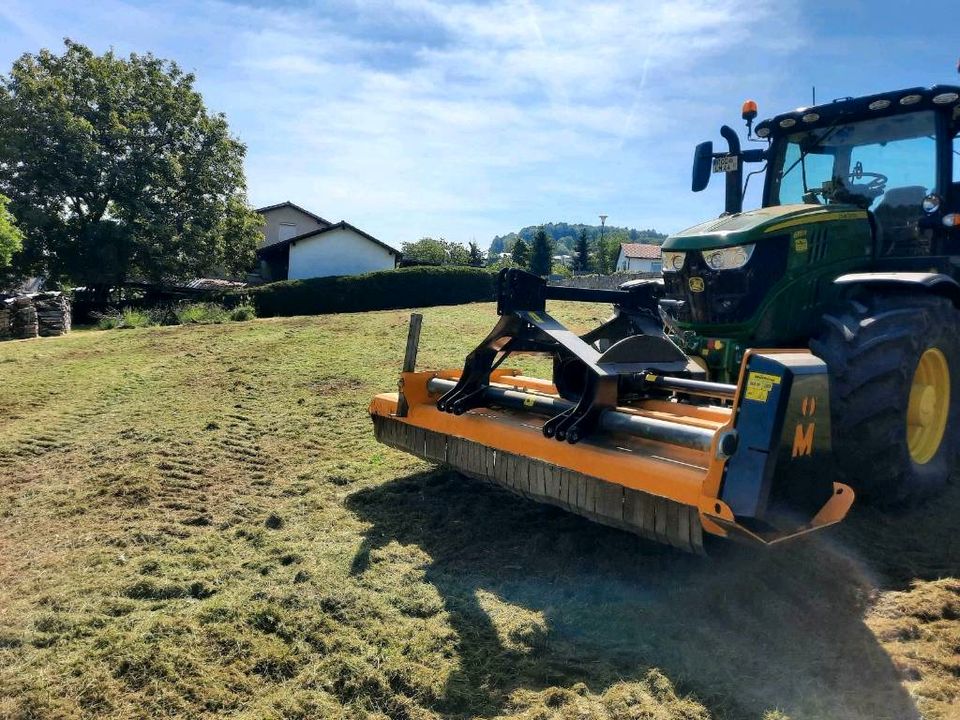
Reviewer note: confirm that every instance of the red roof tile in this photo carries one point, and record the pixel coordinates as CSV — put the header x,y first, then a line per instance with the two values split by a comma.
x,y
642,251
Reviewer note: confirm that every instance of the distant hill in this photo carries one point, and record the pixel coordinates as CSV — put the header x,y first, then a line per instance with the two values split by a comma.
x,y
564,236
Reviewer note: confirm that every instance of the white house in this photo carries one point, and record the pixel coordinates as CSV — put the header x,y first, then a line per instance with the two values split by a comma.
x,y
298,244
639,257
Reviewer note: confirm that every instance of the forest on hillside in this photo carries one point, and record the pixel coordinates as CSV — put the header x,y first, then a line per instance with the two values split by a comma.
x,y
564,235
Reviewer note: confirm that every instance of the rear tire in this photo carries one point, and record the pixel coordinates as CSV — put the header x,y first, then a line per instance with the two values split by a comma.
x,y
873,349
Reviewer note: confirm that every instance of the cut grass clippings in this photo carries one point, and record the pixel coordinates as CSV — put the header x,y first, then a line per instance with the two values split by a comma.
x,y
196,521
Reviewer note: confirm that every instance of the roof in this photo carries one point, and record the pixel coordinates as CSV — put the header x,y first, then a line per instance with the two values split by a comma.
x,y
342,225
642,251
852,109
289,204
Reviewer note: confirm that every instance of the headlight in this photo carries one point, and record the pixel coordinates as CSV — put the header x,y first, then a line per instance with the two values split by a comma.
x,y
931,203
727,258
672,260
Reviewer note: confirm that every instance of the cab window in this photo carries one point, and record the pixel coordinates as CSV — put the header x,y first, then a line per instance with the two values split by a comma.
x,y
873,162
956,158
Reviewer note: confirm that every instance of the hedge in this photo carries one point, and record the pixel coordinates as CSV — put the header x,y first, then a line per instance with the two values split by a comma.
x,y
386,290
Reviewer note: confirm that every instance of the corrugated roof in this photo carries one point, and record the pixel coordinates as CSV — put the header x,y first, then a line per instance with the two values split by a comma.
x,y
642,251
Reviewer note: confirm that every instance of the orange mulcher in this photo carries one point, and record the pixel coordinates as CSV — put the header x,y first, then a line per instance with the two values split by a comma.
x,y
628,432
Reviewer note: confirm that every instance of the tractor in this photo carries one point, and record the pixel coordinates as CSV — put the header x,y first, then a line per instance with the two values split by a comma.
x,y
789,359
853,253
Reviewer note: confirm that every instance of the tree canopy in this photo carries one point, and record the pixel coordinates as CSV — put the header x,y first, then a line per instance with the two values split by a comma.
x,y
564,236
520,253
116,170
541,254
430,251
11,239
476,254
581,252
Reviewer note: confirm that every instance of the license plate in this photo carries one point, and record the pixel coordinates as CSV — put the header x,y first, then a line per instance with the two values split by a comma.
x,y
725,164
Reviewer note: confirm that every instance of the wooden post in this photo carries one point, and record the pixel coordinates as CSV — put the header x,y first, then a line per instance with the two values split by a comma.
x,y
410,358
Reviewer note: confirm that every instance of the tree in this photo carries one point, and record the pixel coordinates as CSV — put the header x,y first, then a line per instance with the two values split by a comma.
x,y
425,250
520,254
430,251
11,239
607,251
581,252
116,170
476,255
541,255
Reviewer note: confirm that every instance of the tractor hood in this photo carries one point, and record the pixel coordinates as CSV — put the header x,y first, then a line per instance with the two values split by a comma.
x,y
753,225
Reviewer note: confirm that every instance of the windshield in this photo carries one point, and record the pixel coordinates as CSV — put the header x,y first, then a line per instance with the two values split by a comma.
x,y
859,163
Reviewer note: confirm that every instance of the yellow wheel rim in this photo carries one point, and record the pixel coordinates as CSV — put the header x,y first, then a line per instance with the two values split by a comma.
x,y
928,406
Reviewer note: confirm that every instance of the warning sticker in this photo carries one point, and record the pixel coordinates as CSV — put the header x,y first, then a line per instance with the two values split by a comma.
x,y
759,385
800,241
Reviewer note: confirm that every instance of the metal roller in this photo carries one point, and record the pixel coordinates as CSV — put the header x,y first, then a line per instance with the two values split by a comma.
x,y
611,420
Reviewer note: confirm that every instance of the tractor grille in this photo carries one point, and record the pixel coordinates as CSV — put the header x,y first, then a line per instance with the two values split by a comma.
x,y
727,296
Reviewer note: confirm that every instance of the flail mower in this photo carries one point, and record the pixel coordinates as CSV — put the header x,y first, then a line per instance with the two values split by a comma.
x,y
789,357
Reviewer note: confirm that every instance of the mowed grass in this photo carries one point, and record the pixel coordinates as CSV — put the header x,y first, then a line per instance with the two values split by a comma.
x,y
196,521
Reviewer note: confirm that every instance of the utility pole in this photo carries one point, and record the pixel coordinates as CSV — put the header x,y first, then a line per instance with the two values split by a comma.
x,y
601,250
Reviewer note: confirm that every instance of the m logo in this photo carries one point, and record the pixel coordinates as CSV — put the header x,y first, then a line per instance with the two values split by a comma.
x,y
803,440
803,434
695,284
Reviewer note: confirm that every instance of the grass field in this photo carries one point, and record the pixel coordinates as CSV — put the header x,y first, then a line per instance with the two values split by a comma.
x,y
196,521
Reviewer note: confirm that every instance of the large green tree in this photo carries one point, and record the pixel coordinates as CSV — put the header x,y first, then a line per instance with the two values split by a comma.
x,y
476,254
116,170
581,252
541,254
520,253
11,239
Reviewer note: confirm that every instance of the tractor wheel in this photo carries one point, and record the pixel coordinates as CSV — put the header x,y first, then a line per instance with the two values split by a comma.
x,y
894,363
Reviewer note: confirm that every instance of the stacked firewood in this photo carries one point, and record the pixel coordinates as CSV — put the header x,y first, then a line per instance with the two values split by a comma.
x,y
23,321
5,307
53,313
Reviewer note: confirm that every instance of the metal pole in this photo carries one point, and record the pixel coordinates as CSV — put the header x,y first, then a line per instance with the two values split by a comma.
x,y
410,358
602,249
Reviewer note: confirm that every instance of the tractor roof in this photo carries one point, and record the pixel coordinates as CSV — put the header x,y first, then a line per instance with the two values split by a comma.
x,y
850,109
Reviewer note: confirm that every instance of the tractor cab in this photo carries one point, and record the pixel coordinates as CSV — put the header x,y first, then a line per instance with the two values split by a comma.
x,y
856,185
889,154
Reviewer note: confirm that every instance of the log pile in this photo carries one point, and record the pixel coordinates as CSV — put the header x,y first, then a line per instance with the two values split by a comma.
x,y
53,313
23,323
5,308
29,316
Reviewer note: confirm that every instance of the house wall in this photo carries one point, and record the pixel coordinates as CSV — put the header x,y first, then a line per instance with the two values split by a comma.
x,y
274,218
337,252
625,264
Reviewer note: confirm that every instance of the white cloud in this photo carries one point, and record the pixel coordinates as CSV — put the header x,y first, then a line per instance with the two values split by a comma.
x,y
519,101
418,117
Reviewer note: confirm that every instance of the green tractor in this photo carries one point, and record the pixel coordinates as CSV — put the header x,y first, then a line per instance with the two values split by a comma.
x,y
819,330
854,253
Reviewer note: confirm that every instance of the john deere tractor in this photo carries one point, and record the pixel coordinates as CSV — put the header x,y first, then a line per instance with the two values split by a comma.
x,y
792,357
854,252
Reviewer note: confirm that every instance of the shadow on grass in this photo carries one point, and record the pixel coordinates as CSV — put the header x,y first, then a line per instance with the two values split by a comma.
x,y
745,631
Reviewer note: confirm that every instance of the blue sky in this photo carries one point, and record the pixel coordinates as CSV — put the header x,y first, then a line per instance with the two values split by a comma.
x,y
466,120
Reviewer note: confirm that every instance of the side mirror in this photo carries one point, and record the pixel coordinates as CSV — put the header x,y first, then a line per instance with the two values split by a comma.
x,y
702,165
